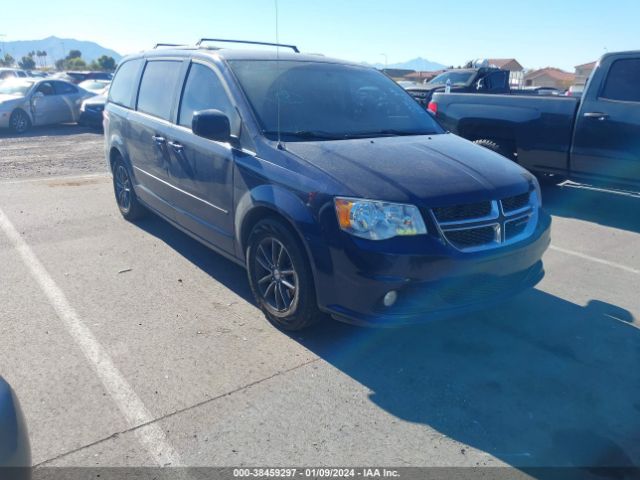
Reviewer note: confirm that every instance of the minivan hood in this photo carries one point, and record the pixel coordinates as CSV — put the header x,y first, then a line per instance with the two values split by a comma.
x,y
423,170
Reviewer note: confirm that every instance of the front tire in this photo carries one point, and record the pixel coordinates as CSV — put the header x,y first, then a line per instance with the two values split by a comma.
x,y
280,276
19,122
128,204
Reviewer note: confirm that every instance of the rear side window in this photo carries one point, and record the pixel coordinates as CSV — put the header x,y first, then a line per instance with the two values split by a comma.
x,y
64,88
623,81
203,90
124,84
157,88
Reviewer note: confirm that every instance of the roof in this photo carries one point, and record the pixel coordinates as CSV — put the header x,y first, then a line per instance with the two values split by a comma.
x,y
242,54
590,65
552,72
510,64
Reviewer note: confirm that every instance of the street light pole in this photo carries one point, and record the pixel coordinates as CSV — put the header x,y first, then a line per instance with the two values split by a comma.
x,y
386,62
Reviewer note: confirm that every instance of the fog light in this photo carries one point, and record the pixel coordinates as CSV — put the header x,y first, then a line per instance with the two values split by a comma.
x,y
390,298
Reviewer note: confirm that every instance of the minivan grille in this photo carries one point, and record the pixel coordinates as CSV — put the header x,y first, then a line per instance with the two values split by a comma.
x,y
491,224
471,237
515,203
454,213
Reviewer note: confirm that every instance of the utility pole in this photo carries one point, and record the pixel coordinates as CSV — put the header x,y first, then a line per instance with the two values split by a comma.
x,y
386,62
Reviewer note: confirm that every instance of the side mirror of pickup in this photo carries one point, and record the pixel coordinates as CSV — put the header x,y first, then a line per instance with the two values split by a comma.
x,y
211,124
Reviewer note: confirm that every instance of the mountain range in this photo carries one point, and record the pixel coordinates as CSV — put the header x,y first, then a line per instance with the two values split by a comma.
x,y
57,48
418,64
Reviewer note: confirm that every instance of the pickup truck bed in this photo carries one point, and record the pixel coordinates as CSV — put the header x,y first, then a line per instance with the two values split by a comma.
x,y
536,130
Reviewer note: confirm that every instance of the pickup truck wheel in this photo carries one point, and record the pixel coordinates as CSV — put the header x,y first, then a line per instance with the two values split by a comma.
x,y
128,204
280,276
495,146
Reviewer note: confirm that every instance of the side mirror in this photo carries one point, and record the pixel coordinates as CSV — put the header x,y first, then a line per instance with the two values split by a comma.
x,y
211,124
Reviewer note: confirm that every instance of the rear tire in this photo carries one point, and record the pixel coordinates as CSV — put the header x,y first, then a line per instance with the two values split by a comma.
x,y
495,147
126,199
19,122
280,276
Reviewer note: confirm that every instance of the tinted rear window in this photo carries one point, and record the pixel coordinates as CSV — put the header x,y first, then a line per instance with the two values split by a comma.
x,y
158,87
623,81
124,84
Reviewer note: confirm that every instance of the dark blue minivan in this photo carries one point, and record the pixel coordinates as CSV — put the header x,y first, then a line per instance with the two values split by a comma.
x,y
15,451
339,194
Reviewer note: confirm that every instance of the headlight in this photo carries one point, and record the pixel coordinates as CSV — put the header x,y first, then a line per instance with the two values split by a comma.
x,y
538,191
378,220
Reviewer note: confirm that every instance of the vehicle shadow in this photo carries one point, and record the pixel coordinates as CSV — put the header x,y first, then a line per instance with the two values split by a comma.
x,y
65,129
536,382
611,208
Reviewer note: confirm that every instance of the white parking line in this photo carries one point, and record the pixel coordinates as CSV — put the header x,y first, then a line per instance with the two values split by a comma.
x,y
595,259
151,436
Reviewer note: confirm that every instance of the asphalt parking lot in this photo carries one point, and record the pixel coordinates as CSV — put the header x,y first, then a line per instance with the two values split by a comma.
x,y
131,344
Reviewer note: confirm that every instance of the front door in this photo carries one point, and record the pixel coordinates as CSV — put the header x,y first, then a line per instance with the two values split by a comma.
x,y
47,107
203,169
607,135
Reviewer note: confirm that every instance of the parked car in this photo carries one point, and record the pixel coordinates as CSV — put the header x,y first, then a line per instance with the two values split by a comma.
x,y
29,101
95,86
335,190
8,73
477,80
539,91
15,450
78,77
595,138
92,108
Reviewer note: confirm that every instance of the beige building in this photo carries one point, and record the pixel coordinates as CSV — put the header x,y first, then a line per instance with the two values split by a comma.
x,y
517,71
583,72
549,77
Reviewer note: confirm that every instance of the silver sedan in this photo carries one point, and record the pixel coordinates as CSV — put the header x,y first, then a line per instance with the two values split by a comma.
x,y
29,101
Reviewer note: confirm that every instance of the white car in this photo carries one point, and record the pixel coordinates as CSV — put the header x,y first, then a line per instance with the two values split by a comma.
x,y
25,102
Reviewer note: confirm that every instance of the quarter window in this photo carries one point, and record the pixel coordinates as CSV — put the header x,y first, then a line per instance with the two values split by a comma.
x,y
623,82
124,84
202,91
157,88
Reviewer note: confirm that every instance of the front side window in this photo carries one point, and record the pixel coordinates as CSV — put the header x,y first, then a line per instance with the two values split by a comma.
x,y
63,88
203,91
46,88
454,78
124,83
318,100
623,81
157,88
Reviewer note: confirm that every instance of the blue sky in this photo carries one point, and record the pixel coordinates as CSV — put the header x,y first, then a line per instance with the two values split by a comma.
x,y
560,33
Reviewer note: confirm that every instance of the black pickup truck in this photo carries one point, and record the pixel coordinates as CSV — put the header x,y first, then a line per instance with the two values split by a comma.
x,y
595,138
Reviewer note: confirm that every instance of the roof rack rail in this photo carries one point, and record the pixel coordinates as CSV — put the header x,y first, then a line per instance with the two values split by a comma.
x,y
249,42
168,45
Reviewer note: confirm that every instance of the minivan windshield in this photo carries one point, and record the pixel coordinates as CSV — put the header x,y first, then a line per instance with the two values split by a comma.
x,y
456,78
327,101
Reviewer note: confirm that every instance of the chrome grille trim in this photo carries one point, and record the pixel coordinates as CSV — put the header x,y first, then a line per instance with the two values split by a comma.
x,y
499,219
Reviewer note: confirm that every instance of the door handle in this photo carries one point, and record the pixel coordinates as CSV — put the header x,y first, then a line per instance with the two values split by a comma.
x,y
159,140
176,146
596,115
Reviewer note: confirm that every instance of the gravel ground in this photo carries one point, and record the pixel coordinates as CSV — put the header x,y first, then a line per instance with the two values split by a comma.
x,y
60,150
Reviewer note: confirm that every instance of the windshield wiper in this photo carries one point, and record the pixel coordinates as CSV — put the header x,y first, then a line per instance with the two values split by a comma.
x,y
307,134
387,133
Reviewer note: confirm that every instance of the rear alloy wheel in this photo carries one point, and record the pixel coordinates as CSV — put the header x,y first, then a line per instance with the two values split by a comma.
x,y
19,121
126,198
280,276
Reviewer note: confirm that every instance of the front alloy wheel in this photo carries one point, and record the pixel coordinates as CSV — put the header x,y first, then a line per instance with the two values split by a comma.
x,y
278,280
19,122
280,276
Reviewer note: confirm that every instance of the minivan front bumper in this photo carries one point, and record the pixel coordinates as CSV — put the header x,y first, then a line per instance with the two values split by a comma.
x,y
431,282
